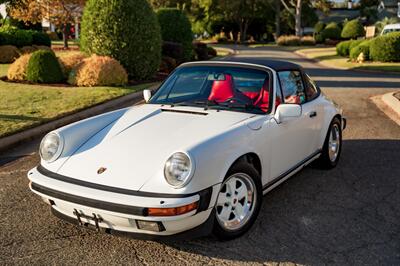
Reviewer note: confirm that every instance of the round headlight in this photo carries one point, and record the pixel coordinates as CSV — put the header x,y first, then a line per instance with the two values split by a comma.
x,y
51,147
178,169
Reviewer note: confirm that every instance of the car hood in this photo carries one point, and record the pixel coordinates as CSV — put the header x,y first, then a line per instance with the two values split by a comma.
x,y
135,147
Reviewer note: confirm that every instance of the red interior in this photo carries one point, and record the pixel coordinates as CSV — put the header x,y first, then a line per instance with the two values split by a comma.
x,y
222,90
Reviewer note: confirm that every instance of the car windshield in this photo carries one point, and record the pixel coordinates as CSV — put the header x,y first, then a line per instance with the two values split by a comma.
x,y
217,87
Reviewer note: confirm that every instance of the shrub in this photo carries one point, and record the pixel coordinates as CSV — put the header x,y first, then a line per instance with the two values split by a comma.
x,y
40,38
173,49
211,52
354,43
42,47
288,40
176,27
353,29
98,71
343,48
201,51
319,38
168,64
43,67
53,35
319,27
17,70
125,30
8,54
332,31
222,39
307,40
21,38
361,48
28,49
70,61
386,48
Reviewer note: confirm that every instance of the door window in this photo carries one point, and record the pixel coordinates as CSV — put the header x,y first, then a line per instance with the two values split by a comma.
x,y
312,91
292,87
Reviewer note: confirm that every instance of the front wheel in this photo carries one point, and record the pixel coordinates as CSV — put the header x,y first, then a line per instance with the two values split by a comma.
x,y
332,146
238,202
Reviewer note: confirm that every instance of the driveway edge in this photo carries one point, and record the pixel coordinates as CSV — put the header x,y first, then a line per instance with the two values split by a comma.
x,y
31,133
389,105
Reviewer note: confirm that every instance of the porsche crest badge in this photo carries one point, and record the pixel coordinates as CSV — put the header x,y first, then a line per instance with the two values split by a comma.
x,y
101,170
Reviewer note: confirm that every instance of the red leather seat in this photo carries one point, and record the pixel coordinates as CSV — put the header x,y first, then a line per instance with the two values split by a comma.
x,y
222,90
263,99
251,95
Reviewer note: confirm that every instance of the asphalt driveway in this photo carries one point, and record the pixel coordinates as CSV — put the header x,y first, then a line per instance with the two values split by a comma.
x,y
348,216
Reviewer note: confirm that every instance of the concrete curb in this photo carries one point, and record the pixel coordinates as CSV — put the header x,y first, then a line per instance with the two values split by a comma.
x,y
390,100
40,130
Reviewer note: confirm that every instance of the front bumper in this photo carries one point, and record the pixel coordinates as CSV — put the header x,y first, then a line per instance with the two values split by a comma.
x,y
118,214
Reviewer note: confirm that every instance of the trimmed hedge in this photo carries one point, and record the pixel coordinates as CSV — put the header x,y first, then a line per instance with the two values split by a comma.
x,y
355,43
172,49
8,54
41,38
125,30
319,27
43,67
386,48
176,27
12,36
353,29
361,48
332,31
343,48
17,70
288,40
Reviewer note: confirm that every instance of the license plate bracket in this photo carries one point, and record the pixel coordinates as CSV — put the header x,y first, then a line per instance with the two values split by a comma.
x,y
94,217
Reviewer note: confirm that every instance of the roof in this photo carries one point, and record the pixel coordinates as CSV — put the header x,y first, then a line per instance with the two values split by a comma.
x,y
338,15
277,65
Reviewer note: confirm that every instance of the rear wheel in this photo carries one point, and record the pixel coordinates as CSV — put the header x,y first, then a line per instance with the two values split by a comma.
x,y
332,146
238,202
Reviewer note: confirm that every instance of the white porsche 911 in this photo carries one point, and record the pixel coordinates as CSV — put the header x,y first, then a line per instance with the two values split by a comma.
x,y
197,157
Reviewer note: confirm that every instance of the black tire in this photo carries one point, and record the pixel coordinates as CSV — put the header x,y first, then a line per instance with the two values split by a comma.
x,y
325,161
240,167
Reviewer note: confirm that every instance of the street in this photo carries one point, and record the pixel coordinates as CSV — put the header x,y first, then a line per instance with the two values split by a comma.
x,y
349,215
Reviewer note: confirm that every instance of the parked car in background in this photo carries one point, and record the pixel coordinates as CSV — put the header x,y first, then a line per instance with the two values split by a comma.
x,y
390,28
196,158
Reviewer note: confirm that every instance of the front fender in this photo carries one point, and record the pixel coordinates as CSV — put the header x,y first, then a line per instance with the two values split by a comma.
x,y
78,133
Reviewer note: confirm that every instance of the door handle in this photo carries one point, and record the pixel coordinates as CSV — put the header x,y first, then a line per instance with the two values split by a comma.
x,y
313,114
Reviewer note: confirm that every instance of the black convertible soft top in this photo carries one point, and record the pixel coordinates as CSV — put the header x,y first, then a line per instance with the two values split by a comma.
x,y
277,65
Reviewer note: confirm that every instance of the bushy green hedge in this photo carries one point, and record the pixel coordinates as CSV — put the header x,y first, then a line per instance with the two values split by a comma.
x,y
361,48
41,38
386,48
125,30
43,67
319,27
355,43
13,36
343,48
353,29
176,27
332,31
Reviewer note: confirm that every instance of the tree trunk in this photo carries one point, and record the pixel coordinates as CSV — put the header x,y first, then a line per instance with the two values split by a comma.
x,y
298,18
65,36
244,24
277,18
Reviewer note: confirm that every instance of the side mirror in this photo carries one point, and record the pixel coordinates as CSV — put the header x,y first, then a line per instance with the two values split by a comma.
x,y
286,112
147,95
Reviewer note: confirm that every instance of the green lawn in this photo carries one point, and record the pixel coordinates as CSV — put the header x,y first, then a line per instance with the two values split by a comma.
x,y
23,106
328,57
3,69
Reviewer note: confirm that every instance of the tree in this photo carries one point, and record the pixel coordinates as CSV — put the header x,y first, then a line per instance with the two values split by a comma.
x,y
61,13
295,9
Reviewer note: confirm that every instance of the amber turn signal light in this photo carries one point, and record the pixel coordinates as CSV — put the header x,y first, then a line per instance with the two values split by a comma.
x,y
172,211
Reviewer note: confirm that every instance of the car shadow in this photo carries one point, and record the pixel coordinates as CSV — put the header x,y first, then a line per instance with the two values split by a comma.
x,y
347,215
